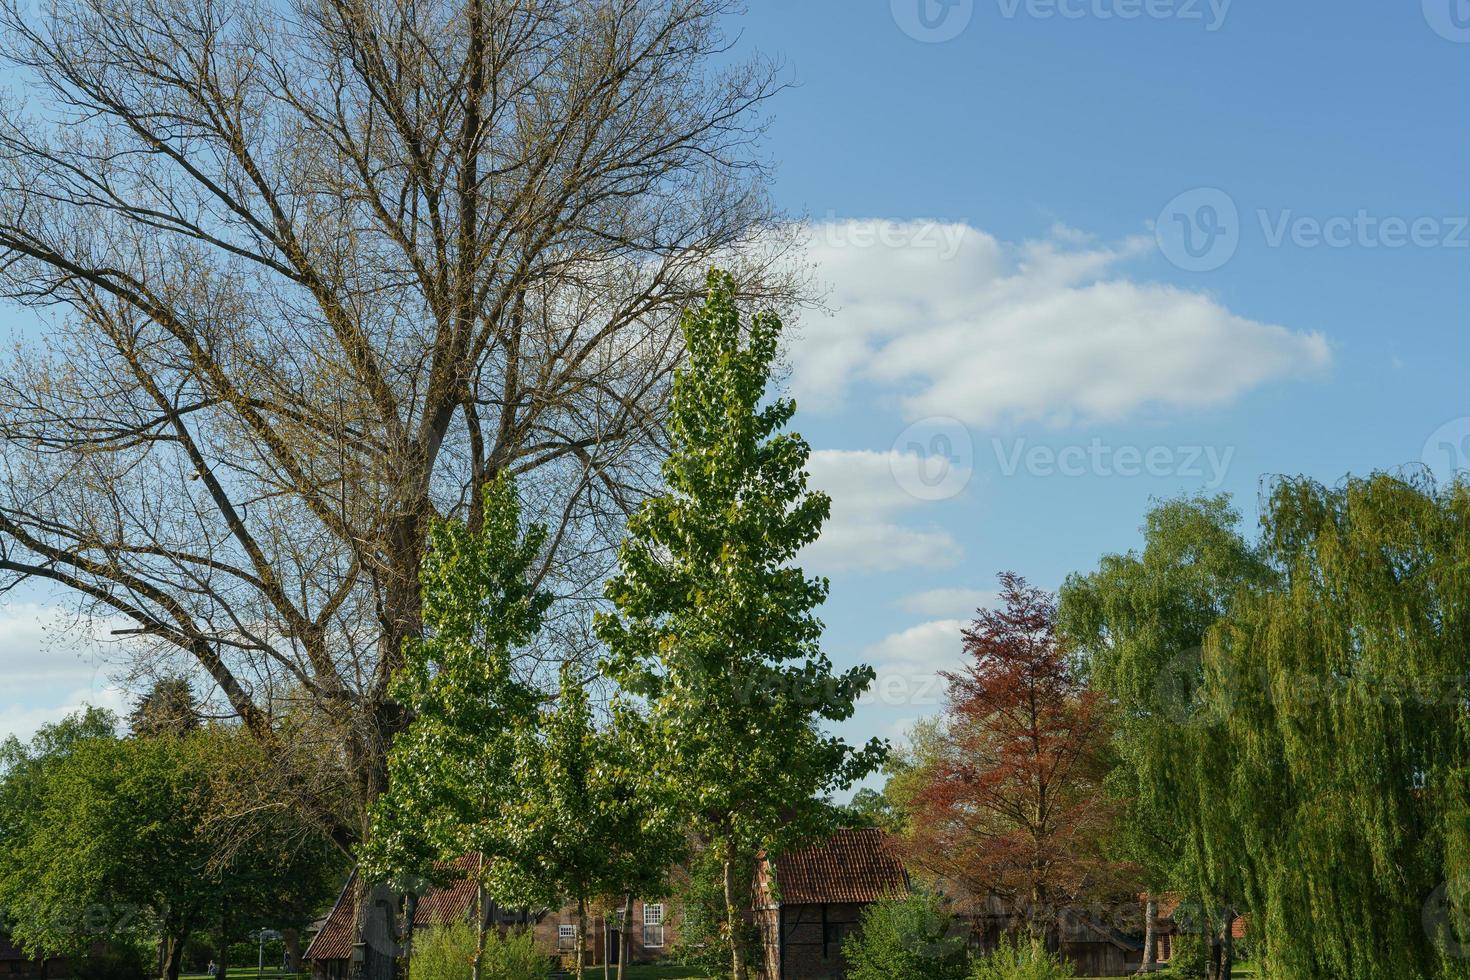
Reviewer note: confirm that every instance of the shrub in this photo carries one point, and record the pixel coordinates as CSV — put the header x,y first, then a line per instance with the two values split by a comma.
x,y
906,939
701,900
120,961
1190,957
447,953
1017,959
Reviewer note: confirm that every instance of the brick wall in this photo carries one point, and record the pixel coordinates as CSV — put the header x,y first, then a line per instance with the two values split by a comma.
x,y
812,937
548,930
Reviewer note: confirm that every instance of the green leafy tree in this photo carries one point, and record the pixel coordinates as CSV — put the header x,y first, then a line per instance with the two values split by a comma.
x,y
1139,621
715,625
168,708
108,838
451,787
275,868
1345,785
872,808
908,938
587,825
115,831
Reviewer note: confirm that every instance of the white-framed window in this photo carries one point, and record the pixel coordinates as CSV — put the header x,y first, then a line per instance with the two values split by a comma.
x,y
653,925
566,937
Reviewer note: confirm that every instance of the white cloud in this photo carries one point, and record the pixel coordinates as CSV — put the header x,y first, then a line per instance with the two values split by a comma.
x,y
947,602
52,662
23,720
863,534
908,664
931,646
41,644
961,324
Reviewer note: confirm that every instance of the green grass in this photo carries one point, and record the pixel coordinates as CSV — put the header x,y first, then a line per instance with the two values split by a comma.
x,y
1245,970
249,973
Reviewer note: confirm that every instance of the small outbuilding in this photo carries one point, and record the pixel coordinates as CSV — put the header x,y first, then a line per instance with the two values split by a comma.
x,y
813,899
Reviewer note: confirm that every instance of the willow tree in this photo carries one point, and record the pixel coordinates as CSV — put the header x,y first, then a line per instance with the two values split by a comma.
x,y
715,625
311,273
1139,622
1347,770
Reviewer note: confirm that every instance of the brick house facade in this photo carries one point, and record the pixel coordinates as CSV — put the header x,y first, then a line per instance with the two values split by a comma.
x,y
651,938
16,964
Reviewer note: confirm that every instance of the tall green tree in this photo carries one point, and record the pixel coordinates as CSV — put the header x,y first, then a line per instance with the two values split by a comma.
x,y
1139,623
114,831
1345,775
104,838
451,789
715,625
588,825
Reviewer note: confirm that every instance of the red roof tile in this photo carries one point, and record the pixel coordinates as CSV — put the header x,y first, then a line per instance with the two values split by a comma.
x,y
439,906
852,866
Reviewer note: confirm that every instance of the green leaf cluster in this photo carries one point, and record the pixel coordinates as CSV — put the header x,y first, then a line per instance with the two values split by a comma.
x,y
715,626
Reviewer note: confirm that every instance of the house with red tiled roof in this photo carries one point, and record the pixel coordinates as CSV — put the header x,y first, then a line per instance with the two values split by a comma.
x,y
813,899
805,906
16,964
650,937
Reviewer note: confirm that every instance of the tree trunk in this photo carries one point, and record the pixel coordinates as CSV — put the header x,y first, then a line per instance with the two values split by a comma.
x,y
625,938
581,944
1150,925
410,912
478,965
173,955
733,924
1215,969
1227,945
292,939
375,932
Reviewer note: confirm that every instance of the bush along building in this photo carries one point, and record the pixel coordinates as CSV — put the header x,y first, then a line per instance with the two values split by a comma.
x,y
650,938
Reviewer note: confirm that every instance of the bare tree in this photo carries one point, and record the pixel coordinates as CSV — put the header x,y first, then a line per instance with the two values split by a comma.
x,y
317,270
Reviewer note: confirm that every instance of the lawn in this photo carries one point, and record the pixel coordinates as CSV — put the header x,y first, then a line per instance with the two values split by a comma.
x,y
249,973
632,972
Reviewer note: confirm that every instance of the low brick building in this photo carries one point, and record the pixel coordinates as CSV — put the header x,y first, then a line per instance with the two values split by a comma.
x,y
14,963
816,901
1171,923
650,938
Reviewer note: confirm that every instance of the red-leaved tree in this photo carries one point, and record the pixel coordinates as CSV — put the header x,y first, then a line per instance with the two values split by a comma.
x,y
1009,802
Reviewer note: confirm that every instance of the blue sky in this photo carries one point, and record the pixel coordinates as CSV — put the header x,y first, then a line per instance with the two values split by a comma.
x,y
1089,252
1335,132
